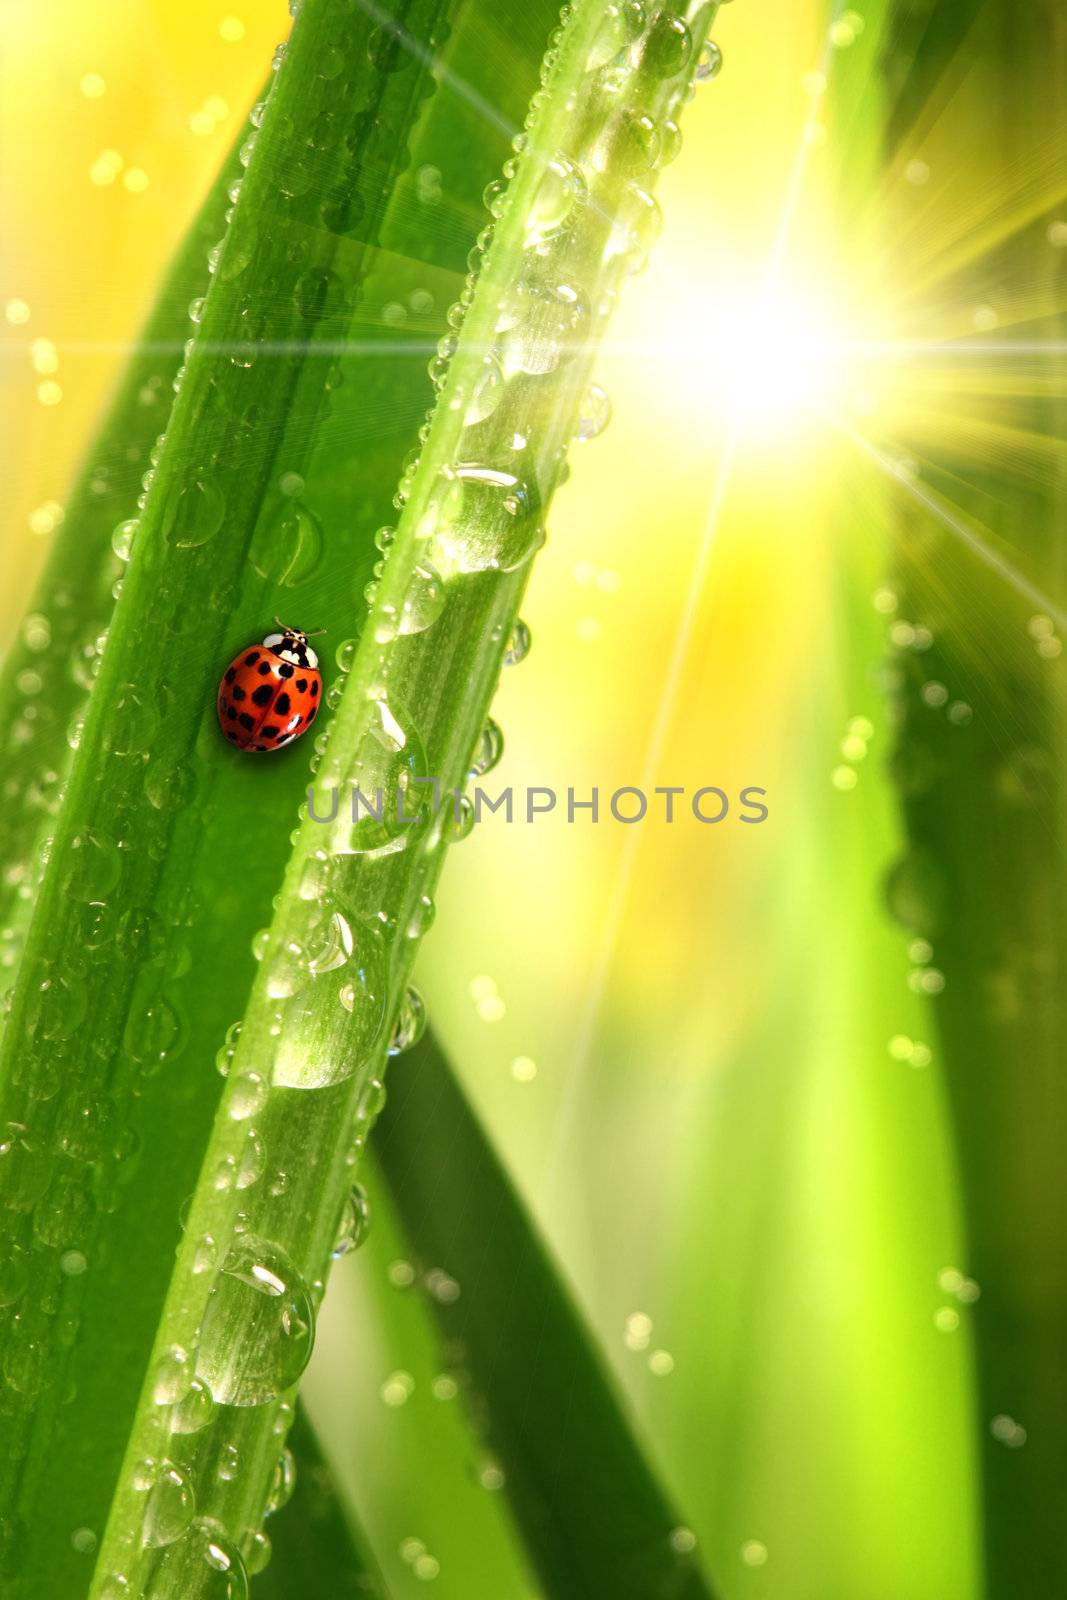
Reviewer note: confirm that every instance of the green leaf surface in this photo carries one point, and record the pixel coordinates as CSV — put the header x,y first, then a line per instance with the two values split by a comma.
x,y
317,1554
595,1518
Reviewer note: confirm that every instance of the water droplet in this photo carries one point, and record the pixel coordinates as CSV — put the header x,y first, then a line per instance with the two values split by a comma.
x,y
194,513
489,749
486,518
251,1161
318,293
336,946
559,196
24,1168
709,62
915,892
256,1550
410,1023
621,25
287,545
123,537
518,645
202,1565
346,654
385,807
461,822
486,393
248,1096
354,1224
422,604
594,413
95,867
668,45
13,1276
288,970
172,1376
194,1411
637,225
258,1328
421,918
170,1505
224,1058
541,323
155,1032
282,1483
26,1361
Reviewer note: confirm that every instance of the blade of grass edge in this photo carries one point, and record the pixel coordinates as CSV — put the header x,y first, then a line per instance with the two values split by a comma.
x,y
595,1518
318,1554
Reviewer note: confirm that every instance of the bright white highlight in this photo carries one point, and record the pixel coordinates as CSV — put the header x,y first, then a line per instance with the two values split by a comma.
x,y
775,362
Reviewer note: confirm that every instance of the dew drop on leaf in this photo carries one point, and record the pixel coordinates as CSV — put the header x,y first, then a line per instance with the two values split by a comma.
x,y
410,1023
287,545
486,519
201,1565
193,513
170,1505
258,1328
354,1224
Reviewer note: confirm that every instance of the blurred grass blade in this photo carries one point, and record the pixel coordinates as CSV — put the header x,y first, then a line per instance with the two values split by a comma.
x,y
594,1516
58,649
317,1554
329,1003
981,766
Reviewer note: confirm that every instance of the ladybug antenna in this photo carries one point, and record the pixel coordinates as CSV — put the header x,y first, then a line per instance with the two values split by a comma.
x,y
300,633
316,633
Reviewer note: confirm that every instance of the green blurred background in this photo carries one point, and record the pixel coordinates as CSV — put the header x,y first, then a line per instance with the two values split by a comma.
x,y
800,1157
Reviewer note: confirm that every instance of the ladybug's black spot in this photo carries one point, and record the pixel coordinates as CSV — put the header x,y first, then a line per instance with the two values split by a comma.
x,y
269,733
286,669
314,687
232,735
231,673
246,721
263,668
281,705
251,658
261,696
238,692
311,713
231,712
301,684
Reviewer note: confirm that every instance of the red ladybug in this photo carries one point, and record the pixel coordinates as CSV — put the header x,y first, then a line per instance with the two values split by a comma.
x,y
270,693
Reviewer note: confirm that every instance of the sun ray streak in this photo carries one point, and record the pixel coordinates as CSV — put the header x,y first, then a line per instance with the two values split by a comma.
x,y
956,525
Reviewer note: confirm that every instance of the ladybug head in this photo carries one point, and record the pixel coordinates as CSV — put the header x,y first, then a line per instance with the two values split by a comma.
x,y
292,645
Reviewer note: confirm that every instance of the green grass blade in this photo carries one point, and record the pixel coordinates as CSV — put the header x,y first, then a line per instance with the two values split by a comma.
x,y
329,999
981,768
59,647
595,1518
138,1086
317,1554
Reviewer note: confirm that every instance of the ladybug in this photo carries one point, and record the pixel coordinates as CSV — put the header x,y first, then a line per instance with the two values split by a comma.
x,y
270,693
